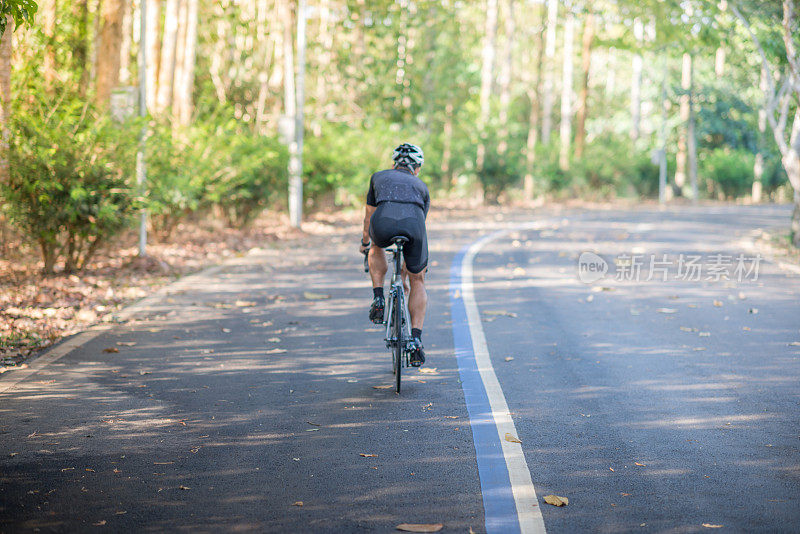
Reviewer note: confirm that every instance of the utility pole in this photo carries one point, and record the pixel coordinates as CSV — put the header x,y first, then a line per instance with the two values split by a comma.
x,y
141,169
296,144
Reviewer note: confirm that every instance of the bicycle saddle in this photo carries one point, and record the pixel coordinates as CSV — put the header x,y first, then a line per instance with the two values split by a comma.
x,y
399,240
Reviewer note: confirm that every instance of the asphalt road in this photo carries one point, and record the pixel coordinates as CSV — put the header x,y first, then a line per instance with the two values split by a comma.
x,y
655,406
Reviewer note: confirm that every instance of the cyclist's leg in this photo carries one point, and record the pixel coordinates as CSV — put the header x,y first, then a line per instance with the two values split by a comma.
x,y
417,299
377,265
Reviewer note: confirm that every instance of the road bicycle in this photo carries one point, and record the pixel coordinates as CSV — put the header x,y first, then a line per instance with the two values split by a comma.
x,y
396,317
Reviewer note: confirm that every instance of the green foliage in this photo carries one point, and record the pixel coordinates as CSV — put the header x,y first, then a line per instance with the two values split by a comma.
x,y
498,173
22,11
67,188
728,173
212,165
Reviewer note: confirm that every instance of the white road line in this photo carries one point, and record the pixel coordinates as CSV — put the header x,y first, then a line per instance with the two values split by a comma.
x,y
528,510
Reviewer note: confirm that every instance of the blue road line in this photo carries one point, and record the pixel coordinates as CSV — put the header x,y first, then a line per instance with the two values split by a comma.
x,y
499,507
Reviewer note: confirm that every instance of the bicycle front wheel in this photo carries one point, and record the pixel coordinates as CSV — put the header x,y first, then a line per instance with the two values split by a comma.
x,y
397,350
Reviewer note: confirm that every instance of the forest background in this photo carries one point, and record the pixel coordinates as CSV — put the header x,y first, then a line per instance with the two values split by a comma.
x,y
513,101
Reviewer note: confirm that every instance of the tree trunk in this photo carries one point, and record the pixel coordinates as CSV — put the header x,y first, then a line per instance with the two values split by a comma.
x,y
80,53
636,82
796,220
505,78
166,72
447,134
108,50
125,47
586,63
5,96
189,55
178,91
153,45
487,76
534,94
47,14
566,93
719,63
549,70
683,132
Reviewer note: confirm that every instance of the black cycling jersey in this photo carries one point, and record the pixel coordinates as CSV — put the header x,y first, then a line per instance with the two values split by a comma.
x,y
398,185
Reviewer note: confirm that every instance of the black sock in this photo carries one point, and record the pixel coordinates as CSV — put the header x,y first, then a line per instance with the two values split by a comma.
x,y
377,292
416,333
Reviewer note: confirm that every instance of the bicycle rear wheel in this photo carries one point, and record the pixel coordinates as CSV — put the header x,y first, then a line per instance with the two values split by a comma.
x,y
397,350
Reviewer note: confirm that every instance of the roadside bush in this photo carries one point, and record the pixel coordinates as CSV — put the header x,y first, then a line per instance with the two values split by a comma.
x,y
67,188
727,173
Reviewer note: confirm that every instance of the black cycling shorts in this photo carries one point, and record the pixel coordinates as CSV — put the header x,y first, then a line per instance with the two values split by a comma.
x,y
400,219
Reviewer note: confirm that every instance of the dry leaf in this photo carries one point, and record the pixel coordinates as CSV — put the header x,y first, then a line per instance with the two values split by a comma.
x,y
555,500
244,303
590,298
126,343
365,455
184,487
509,358
111,349
498,313
709,525
297,503
611,469
794,344
274,340
428,370
315,296
100,523
640,465
276,351
718,303
512,438
667,310
420,527
385,386
226,330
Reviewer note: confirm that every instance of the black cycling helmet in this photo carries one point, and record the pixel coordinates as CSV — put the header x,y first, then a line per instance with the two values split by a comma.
x,y
408,155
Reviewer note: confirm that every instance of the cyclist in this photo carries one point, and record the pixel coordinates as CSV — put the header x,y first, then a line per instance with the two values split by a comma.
x,y
397,204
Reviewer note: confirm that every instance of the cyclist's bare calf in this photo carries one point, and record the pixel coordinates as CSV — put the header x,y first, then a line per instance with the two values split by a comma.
x,y
417,298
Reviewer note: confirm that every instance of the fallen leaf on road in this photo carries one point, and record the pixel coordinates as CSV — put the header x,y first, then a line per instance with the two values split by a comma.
x,y
244,303
111,349
126,343
428,370
420,527
184,488
709,525
509,358
313,424
794,344
500,313
276,351
315,296
365,455
513,439
590,298
718,303
385,386
555,500
611,469
297,503
12,454
274,340
640,465
100,523
226,330
742,296
704,334
667,310
451,417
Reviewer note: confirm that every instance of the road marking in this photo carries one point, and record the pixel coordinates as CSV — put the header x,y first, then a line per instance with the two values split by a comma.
x,y
509,497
